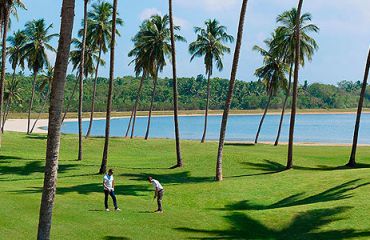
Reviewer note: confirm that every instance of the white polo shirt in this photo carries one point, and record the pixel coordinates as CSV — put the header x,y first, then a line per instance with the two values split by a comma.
x,y
108,181
156,185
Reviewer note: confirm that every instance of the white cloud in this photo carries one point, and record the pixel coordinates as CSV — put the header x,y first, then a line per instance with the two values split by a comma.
x,y
148,12
209,5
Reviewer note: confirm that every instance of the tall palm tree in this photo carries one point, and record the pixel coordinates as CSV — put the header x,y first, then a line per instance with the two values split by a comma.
x,y
99,32
81,81
284,45
103,167
37,44
153,40
54,125
297,58
210,45
12,94
352,159
175,92
234,70
47,79
6,8
272,73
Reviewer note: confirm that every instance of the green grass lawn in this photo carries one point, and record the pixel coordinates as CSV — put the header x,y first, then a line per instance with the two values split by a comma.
x,y
256,200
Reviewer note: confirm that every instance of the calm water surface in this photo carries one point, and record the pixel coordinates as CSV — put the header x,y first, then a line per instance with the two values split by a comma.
x,y
315,128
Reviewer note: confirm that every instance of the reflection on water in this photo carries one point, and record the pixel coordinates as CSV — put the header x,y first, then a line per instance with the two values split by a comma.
x,y
318,128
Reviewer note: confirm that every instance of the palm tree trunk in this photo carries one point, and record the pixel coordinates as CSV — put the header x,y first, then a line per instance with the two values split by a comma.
x,y
103,167
207,106
70,99
175,92
284,104
94,94
129,122
352,159
5,115
42,110
82,71
35,72
264,115
295,86
155,80
55,117
137,104
234,70
3,61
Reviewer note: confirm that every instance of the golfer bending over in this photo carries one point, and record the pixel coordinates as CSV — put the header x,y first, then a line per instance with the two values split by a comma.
x,y
108,183
158,193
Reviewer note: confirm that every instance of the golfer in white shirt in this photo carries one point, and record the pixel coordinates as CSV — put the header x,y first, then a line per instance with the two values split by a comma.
x,y
158,193
108,183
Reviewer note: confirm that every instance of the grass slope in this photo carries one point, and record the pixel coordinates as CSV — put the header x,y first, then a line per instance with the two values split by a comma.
x,y
256,200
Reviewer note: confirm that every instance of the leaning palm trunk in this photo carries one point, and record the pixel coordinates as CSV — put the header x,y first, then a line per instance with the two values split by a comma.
x,y
129,122
151,105
94,95
31,100
55,117
103,166
41,111
352,159
5,22
82,71
175,92
137,104
295,86
207,106
234,70
264,115
70,99
284,104
5,115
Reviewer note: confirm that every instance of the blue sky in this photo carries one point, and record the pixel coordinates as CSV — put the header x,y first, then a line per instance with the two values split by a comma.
x,y
344,37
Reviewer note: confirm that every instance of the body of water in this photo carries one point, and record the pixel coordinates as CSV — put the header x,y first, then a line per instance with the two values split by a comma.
x,y
312,128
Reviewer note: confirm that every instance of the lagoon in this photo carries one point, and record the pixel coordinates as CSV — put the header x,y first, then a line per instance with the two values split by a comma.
x,y
310,128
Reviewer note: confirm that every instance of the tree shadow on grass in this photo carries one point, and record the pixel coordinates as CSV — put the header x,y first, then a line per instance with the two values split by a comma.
x,y
37,136
339,192
86,189
6,157
32,167
305,225
115,238
171,178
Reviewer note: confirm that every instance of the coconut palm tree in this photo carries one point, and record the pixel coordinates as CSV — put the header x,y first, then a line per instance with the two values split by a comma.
x,y
284,44
352,159
7,7
35,52
272,73
103,167
210,45
153,39
12,95
234,70
99,32
55,116
297,58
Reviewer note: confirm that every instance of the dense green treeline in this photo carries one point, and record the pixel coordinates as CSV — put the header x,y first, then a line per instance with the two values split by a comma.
x,y
192,94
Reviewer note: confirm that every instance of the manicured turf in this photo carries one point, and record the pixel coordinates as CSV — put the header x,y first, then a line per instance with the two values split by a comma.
x,y
256,200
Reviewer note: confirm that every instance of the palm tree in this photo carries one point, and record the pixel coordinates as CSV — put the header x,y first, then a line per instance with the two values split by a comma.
x,y
6,8
297,58
153,40
272,73
284,45
103,167
47,79
55,115
352,159
99,32
12,94
81,81
37,44
234,70
210,44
